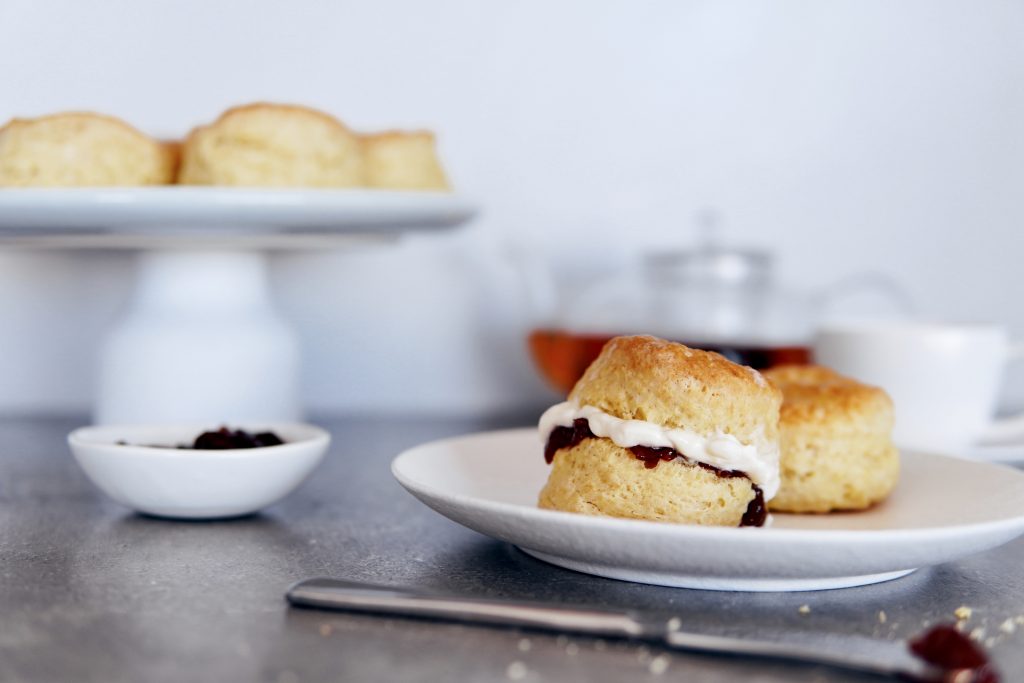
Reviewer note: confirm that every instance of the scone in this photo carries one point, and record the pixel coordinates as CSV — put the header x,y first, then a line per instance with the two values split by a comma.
x,y
836,441
273,145
403,161
79,149
658,431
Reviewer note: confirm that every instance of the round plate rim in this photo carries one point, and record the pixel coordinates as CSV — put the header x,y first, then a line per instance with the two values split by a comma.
x,y
719,583
39,213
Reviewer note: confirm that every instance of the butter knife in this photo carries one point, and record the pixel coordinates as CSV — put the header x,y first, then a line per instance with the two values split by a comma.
x,y
856,653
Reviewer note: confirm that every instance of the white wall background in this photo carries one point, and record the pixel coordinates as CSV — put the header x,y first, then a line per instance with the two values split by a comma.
x,y
844,134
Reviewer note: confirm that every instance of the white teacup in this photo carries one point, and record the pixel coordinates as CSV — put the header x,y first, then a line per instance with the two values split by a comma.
x,y
944,379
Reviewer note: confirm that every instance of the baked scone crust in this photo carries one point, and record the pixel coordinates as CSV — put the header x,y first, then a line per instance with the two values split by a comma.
x,y
836,442
675,387
672,385
403,160
81,149
273,145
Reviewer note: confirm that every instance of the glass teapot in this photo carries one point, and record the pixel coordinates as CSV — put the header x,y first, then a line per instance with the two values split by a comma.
x,y
714,298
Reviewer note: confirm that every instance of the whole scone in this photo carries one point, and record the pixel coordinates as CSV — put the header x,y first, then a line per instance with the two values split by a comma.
x,y
81,149
273,145
836,441
398,160
658,431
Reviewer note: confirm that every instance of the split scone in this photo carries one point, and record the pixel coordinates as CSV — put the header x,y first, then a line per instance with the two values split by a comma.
x,y
80,149
273,145
836,441
399,160
659,431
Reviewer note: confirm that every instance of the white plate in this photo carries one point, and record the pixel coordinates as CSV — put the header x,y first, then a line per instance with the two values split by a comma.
x,y
173,211
943,509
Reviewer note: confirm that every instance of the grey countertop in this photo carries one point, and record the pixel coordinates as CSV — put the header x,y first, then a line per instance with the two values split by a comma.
x,y
92,592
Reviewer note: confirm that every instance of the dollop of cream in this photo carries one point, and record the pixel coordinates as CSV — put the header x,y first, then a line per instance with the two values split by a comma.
x,y
758,460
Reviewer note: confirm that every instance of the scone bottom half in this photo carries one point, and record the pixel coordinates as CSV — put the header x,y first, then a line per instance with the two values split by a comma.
x,y
584,481
656,456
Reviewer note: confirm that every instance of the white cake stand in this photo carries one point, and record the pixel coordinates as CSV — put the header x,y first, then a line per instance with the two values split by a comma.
x,y
201,340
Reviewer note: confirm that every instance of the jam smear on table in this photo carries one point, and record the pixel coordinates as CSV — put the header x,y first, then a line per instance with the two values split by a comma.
x,y
955,654
567,437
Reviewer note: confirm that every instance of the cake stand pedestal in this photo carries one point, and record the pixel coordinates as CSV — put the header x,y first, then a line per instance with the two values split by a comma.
x,y
200,339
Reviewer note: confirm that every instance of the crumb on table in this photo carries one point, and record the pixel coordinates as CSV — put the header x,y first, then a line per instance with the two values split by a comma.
x,y
516,671
658,665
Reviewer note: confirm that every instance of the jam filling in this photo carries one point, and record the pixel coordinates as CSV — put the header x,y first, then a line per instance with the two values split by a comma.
x,y
567,437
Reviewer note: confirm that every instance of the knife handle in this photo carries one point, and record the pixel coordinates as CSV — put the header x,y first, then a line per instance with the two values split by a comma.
x,y
350,596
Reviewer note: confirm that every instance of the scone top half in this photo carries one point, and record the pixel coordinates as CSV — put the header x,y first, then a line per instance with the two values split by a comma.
x,y
645,391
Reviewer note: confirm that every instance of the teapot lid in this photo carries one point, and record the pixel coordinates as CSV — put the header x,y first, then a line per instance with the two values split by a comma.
x,y
711,264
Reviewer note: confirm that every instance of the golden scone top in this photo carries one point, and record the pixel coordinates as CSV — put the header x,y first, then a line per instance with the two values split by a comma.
x,y
274,109
302,109
816,394
72,121
674,386
81,149
273,145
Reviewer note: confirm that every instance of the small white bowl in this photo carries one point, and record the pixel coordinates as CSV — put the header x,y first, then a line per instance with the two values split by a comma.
x,y
190,484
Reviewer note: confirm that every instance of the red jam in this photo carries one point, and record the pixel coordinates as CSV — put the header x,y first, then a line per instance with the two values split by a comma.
x,y
224,439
